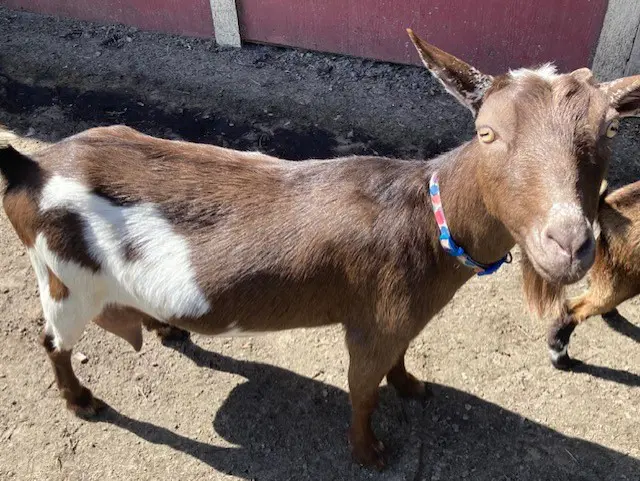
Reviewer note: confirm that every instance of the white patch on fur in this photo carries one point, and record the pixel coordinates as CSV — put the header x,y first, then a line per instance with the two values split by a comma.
x,y
555,355
67,318
546,72
565,209
234,331
259,156
160,281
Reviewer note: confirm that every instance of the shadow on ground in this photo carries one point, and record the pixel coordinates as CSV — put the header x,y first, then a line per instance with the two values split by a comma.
x,y
454,436
615,375
270,134
622,325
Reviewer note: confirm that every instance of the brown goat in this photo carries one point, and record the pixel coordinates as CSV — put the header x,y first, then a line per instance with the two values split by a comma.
x,y
615,275
122,228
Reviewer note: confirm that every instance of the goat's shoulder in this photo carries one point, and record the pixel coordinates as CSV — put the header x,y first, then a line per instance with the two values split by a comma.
x,y
619,218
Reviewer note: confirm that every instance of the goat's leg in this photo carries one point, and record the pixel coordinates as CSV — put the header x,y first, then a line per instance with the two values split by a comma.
x,y
67,309
63,328
369,361
406,384
166,332
79,399
558,337
601,298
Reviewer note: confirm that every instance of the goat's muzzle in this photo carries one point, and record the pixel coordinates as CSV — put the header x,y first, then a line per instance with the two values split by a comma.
x,y
563,250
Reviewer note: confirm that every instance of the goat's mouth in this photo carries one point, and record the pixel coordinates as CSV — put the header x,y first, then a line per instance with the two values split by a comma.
x,y
556,265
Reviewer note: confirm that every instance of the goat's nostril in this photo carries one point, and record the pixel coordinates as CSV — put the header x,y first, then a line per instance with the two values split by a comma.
x,y
584,249
571,241
560,238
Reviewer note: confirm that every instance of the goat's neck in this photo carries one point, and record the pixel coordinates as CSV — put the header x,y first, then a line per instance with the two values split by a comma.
x,y
481,234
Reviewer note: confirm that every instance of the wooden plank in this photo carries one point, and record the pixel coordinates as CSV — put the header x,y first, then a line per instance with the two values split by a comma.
x,y
493,34
186,17
633,65
225,22
617,38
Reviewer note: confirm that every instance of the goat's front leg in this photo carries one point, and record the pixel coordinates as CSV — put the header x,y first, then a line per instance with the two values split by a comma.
x,y
369,360
602,298
79,399
558,337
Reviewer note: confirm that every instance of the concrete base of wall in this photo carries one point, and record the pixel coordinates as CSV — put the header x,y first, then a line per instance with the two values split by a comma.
x,y
618,51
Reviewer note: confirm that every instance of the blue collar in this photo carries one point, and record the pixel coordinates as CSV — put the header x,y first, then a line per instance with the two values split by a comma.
x,y
447,242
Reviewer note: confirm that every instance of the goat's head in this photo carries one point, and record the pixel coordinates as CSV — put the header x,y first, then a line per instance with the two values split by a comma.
x,y
542,150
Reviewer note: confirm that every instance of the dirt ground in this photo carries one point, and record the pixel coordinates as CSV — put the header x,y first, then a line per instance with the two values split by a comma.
x,y
276,407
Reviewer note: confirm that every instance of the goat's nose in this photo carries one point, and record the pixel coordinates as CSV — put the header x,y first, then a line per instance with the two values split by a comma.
x,y
570,237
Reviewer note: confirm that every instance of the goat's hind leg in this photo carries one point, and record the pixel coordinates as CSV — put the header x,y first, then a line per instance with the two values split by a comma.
x,y
79,399
405,383
66,315
165,332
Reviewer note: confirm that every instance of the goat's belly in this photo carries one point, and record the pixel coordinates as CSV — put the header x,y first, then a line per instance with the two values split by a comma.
x,y
221,326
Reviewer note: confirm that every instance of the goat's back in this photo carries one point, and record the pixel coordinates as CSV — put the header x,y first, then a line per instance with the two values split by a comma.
x,y
223,239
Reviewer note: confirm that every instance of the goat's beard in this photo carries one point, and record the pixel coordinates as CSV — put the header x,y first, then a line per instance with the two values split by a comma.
x,y
542,297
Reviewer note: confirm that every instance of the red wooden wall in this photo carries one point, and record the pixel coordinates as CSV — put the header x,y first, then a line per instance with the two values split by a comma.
x,y
491,34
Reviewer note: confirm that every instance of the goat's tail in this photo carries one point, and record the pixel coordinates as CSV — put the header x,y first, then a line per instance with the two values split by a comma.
x,y
14,166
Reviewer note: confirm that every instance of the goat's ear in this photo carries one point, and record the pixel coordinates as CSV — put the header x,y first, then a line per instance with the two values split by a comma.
x,y
624,95
467,84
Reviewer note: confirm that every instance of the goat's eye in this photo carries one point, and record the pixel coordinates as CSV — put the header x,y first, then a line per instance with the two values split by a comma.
x,y
486,135
612,128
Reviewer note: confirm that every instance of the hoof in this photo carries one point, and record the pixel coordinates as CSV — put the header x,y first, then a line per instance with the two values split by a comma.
x,y
85,405
564,362
369,454
418,390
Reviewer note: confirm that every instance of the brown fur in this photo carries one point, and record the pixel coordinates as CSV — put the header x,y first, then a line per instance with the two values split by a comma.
x,y
22,211
615,275
541,296
57,289
278,245
79,399
61,228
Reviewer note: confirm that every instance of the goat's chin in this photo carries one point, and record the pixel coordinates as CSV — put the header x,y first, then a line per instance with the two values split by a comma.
x,y
571,274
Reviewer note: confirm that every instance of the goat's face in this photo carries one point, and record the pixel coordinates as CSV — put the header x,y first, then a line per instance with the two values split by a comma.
x,y
542,147
543,142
